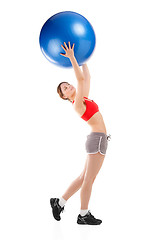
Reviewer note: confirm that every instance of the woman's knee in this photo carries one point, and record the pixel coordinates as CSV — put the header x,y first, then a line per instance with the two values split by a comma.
x,y
88,179
92,167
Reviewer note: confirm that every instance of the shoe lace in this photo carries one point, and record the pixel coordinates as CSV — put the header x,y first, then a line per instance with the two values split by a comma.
x,y
61,209
91,214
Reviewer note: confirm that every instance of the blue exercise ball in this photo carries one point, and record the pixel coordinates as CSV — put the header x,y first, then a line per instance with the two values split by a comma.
x,y
67,27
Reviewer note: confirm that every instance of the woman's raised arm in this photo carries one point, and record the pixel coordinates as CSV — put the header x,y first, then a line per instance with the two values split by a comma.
x,y
70,54
86,73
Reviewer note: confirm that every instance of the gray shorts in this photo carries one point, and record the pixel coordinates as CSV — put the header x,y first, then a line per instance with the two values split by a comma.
x,y
97,142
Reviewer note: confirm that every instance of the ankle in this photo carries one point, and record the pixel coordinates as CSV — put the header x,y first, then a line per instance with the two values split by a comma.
x,y
62,201
83,212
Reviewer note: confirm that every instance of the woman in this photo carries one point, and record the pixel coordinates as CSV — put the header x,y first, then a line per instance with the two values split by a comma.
x,y
96,144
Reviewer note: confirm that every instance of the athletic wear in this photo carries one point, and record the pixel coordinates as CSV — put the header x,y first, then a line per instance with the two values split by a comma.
x,y
91,109
62,202
83,212
88,219
56,208
97,142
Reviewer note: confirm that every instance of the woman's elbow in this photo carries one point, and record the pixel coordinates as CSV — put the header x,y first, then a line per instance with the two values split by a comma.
x,y
81,78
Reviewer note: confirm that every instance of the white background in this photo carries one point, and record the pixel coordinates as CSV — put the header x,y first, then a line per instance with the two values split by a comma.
x,y
42,139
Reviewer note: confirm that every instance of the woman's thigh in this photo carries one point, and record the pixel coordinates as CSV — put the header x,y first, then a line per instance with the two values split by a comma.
x,y
94,164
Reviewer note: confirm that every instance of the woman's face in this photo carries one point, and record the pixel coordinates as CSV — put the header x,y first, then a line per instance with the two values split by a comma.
x,y
68,90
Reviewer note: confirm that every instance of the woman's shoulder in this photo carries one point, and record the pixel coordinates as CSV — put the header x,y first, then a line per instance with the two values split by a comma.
x,y
83,99
80,110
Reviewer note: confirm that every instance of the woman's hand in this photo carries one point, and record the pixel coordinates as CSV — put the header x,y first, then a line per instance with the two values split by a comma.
x,y
69,51
70,54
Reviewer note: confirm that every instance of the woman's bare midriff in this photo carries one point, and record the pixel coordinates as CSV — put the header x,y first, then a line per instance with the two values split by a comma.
x,y
96,122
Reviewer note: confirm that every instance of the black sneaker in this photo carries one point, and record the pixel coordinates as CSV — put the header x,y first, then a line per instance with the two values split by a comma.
x,y
88,219
56,208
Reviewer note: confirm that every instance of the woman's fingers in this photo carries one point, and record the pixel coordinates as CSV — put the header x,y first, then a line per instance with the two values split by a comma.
x,y
62,54
65,45
69,51
73,46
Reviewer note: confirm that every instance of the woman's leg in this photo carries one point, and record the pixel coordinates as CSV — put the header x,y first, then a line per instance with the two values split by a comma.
x,y
95,162
75,185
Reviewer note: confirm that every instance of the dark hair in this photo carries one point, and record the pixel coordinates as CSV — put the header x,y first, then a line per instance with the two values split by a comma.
x,y
59,91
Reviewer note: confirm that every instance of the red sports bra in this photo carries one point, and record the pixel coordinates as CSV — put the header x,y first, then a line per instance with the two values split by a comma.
x,y
91,109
